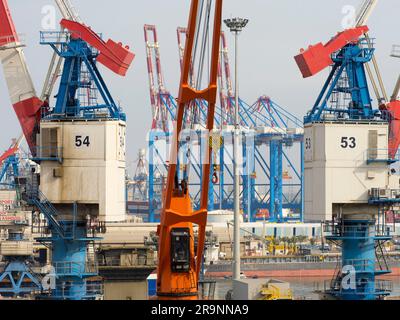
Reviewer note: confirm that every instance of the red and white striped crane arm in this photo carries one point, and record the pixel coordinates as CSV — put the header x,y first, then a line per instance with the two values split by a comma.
x,y
226,88
20,86
156,79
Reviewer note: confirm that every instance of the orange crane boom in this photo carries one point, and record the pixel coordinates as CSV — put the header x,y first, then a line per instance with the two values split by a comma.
x,y
179,266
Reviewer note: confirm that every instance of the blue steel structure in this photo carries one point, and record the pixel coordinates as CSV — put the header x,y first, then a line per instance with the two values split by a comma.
x,y
17,279
69,239
81,82
256,146
69,236
286,130
348,77
277,133
345,97
9,171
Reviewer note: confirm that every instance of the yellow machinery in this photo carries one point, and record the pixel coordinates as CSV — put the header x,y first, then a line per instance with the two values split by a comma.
x,y
275,292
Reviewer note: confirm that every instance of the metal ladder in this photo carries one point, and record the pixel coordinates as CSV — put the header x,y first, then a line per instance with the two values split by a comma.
x,y
91,259
36,198
381,254
336,281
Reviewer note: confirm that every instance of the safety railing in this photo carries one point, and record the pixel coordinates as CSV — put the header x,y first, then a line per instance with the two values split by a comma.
x,y
358,230
384,230
140,261
381,156
92,290
90,111
48,153
75,268
10,41
33,196
62,39
110,262
54,37
386,195
364,55
93,111
383,285
360,264
380,287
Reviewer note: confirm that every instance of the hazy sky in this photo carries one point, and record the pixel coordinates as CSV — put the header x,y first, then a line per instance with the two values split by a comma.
x,y
276,32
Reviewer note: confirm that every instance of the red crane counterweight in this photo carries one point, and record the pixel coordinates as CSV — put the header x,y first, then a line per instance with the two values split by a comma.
x,y
112,55
393,107
318,57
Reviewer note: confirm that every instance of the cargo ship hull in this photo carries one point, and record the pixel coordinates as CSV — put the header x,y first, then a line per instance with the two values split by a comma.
x,y
293,269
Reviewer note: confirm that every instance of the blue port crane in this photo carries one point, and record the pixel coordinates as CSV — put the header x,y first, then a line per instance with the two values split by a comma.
x,y
82,95
345,98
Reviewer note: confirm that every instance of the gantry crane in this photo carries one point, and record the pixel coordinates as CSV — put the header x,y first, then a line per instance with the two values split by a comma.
x,y
179,266
139,185
163,107
162,111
